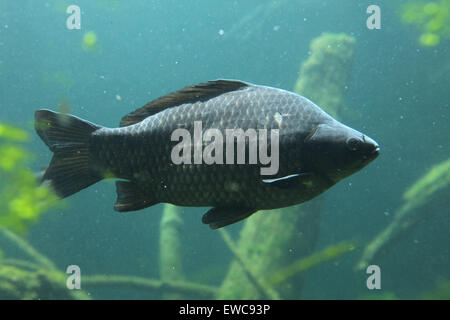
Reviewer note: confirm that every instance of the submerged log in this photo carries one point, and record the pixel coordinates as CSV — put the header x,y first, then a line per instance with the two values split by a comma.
x,y
271,240
421,201
170,257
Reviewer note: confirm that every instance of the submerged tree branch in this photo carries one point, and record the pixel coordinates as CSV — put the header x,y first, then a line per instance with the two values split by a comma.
x,y
421,201
23,264
152,285
26,248
265,292
306,263
170,257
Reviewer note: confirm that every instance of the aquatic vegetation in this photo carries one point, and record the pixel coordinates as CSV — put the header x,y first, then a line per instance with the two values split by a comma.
x,y
440,292
154,46
266,286
33,278
265,245
431,190
325,75
12,133
11,157
90,42
18,283
38,278
170,264
164,288
268,238
89,39
35,258
432,18
304,264
246,271
23,201
436,178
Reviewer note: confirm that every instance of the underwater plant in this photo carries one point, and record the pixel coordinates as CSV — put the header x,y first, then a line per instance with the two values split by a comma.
x,y
429,190
432,18
267,240
23,200
438,177
90,42
303,264
325,75
18,283
32,277
36,277
440,292
170,264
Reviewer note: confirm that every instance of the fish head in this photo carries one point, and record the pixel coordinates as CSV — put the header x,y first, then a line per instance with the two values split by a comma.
x,y
337,151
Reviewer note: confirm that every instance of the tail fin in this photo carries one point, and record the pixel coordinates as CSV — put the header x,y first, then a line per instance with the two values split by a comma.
x,y
68,138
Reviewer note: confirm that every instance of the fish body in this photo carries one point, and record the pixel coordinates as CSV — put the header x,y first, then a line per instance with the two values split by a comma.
x,y
314,151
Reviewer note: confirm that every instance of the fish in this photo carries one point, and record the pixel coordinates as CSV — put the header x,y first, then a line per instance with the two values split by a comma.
x,y
313,151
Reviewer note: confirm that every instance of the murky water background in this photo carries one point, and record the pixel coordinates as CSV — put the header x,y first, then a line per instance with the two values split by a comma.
x,y
137,51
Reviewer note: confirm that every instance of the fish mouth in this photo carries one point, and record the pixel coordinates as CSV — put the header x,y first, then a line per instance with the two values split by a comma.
x,y
372,155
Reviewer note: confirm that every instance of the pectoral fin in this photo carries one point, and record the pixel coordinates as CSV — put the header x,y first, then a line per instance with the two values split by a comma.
x,y
290,181
130,197
219,217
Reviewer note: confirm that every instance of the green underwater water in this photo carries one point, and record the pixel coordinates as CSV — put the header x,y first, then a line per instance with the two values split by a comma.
x,y
395,88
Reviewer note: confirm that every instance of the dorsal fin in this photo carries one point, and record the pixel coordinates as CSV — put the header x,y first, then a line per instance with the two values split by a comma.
x,y
199,92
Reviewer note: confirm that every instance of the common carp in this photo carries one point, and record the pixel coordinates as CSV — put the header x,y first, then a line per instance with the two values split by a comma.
x,y
173,150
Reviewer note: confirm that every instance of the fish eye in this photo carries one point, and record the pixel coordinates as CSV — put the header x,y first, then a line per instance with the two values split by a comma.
x,y
353,144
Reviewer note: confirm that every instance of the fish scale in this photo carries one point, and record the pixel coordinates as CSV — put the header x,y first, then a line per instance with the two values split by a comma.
x,y
313,151
231,111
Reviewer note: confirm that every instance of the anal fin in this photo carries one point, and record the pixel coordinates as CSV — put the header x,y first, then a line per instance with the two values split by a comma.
x,y
130,197
219,217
